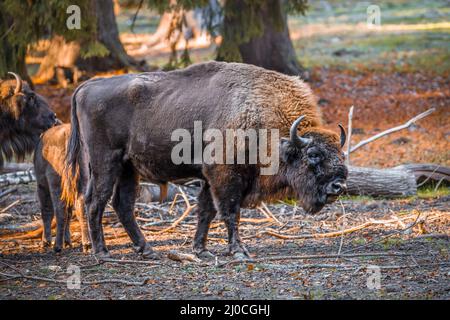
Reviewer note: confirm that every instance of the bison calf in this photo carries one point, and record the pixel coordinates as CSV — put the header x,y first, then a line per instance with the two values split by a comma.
x,y
48,166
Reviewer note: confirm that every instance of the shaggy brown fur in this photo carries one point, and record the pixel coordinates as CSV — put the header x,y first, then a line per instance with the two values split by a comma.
x,y
122,129
24,116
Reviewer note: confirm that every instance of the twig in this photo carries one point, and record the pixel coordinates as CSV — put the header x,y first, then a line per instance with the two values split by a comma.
x,y
188,210
349,135
429,177
343,223
316,256
21,275
146,262
433,235
263,208
412,225
331,234
135,16
10,206
9,191
120,281
392,130
182,257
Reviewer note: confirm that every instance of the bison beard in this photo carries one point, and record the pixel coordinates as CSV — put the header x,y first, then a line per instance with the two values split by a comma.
x,y
121,129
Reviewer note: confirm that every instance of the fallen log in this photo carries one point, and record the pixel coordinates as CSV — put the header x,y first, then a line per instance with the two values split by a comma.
x,y
390,183
29,227
13,167
19,177
400,181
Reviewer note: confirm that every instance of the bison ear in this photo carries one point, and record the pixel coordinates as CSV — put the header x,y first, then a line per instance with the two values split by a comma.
x,y
288,151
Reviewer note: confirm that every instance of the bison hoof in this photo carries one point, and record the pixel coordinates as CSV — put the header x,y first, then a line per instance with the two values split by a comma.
x,y
205,255
86,247
68,244
103,255
46,244
240,256
57,249
148,253
151,255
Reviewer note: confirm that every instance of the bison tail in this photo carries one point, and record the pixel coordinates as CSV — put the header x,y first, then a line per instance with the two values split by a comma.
x,y
70,182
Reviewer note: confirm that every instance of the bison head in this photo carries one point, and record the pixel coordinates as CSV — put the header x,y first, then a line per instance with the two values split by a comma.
x,y
314,166
24,115
24,109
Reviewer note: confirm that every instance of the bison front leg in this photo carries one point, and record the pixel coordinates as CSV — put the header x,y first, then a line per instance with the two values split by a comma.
x,y
46,205
123,202
226,189
205,214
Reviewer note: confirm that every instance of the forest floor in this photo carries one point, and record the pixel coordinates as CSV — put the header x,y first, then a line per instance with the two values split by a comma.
x,y
389,74
401,251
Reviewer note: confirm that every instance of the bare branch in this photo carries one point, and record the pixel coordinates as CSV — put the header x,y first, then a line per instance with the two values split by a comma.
x,y
349,135
318,256
392,130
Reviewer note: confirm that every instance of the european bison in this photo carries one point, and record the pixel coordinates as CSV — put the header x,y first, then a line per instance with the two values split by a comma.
x,y
122,129
24,115
49,159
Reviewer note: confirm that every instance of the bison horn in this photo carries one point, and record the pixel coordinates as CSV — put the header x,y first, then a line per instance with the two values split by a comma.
x,y
19,82
298,141
343,135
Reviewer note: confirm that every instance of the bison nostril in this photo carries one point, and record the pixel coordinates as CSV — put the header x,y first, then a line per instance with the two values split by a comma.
x,y
336,188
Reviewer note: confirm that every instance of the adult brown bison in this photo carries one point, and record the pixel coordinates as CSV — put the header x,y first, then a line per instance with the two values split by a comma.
x,y
24,115
49,159
122,126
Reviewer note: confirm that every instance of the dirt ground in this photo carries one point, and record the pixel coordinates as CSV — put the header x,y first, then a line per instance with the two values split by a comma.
x,y
408,238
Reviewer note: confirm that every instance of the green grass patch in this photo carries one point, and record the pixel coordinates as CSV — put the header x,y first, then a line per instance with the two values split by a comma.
x,y
416,37
431,192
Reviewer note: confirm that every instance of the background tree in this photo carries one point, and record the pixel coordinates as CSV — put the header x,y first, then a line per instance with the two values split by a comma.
x,y
256,32
23,23
253,31
102,52
94,47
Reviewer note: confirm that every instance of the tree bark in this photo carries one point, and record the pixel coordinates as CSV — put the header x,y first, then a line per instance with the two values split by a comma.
x,y
272,50
108,35
390,183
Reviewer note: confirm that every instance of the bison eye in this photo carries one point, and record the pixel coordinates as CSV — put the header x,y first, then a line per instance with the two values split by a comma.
x,y
314,157
31,99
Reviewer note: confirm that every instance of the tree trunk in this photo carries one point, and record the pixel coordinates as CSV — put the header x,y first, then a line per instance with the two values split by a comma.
x,y
108,35
66,55
273,49
390,183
